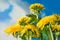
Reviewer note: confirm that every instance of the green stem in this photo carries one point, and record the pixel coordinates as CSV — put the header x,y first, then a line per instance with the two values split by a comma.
x,y
36,15
56,38
47,33
40,38
16,38
22,39
56,35
19,38
29,37
51,34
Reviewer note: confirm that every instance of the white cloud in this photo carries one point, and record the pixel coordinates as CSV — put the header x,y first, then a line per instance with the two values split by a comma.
x,y
24,4
3,6
3,36
15,14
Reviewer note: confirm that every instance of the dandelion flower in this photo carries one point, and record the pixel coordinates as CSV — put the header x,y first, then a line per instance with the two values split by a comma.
x,y
14,28
23,20
58,16
48,19
36,7
31,28
56,27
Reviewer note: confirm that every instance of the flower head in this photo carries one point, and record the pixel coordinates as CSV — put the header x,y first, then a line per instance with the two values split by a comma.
x,y
14,28
55,27
23,20
30,27
48,19
57,16
36,7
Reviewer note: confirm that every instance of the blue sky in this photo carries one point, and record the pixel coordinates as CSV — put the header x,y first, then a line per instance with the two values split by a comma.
x,y
10,11
5,14
51,6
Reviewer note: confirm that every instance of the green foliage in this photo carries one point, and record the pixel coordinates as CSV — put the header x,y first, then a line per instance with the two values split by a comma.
x,y
34,19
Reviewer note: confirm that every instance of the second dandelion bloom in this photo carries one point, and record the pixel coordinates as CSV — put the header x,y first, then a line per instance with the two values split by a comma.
x,y
56,27
31,28
12,29
23,20
36,7
48,19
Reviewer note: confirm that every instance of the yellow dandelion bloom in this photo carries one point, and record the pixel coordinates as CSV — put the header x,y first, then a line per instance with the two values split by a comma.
x,y
56,27
36,6
13,28
23,19
32,28
58,16
48,19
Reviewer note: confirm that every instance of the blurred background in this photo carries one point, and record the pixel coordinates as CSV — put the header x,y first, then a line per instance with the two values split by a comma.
x,y
11,10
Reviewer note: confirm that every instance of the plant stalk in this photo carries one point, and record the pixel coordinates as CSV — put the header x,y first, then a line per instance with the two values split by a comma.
x,y
51,34
56,38
29,37
56,35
